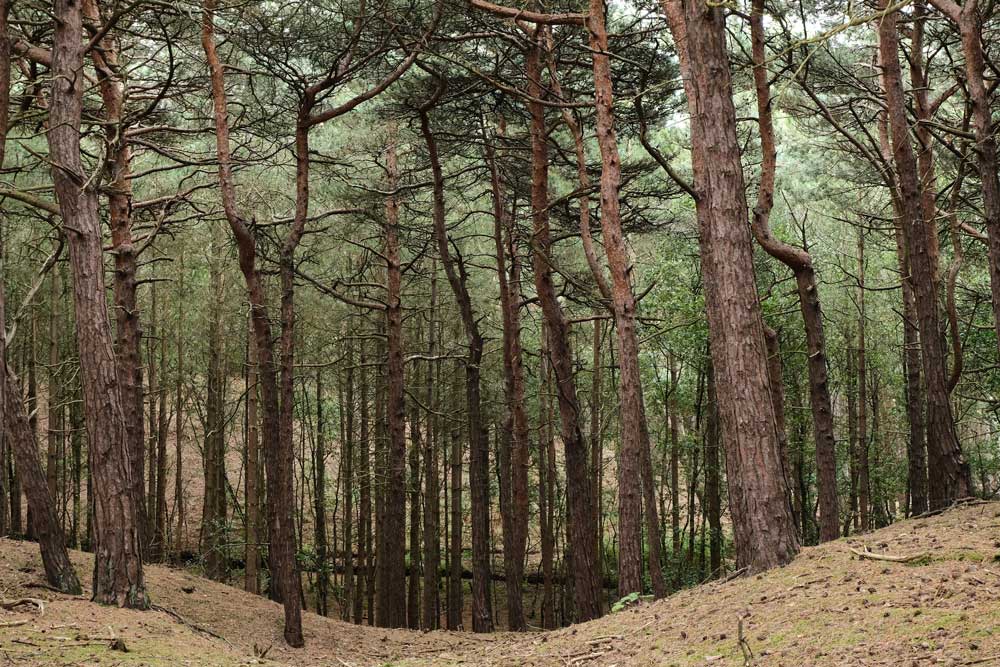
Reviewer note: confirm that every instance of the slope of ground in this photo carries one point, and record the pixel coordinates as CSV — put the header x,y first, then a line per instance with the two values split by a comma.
x,y
829,607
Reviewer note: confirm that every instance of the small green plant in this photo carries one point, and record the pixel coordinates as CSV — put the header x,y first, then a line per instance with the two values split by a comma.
x,y
625,602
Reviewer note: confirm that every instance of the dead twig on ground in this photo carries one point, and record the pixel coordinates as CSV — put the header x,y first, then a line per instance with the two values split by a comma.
x,y
184,621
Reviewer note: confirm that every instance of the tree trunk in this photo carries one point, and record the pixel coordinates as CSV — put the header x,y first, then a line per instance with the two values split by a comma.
x,y
365,583
277,455
179,408
581,531
546,494
514,466
118,577
319,504
454,268
252,500
763,525
800,262
348,455
861,451
948,471
416,567
430,600
390,586
455,594
213,516
17,434
635,432
713,486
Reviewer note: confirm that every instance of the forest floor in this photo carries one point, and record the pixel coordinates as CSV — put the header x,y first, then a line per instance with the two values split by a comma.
x,y
828,607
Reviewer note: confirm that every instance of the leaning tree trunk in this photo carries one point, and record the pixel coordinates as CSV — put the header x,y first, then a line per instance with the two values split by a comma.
x,y
581,532
949,476
762,520
634,455
59,571
118,576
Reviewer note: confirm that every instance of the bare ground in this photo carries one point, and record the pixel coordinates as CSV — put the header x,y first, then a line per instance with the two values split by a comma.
x,y
829,607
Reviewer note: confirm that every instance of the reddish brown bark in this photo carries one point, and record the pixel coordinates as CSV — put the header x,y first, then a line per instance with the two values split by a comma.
x,y
213,515
763,526
430,598
580,525
948,472
17,434
251,576
277,457
514,447
482,612
969,20
800,262
118,577
118,171
635,432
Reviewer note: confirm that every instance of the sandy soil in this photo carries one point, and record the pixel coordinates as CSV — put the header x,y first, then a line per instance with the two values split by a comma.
x,y
829,607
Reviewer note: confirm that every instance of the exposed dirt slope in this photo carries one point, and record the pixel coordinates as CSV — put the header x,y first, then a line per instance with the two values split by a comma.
x,y
829,607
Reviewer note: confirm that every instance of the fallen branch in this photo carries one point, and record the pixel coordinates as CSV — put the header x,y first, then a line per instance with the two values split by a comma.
x,y
869,555
13,604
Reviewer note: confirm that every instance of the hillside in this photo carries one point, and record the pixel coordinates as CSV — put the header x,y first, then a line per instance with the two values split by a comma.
x,y
829,607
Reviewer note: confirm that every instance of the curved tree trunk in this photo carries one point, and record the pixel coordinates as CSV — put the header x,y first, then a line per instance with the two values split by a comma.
x,y
277,458
800,262
635,461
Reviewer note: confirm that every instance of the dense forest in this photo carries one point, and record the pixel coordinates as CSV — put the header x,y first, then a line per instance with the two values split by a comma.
x,y
449,314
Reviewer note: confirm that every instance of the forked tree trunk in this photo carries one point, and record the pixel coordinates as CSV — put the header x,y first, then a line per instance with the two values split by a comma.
x,y
118,576
277,457
119,174
968,18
